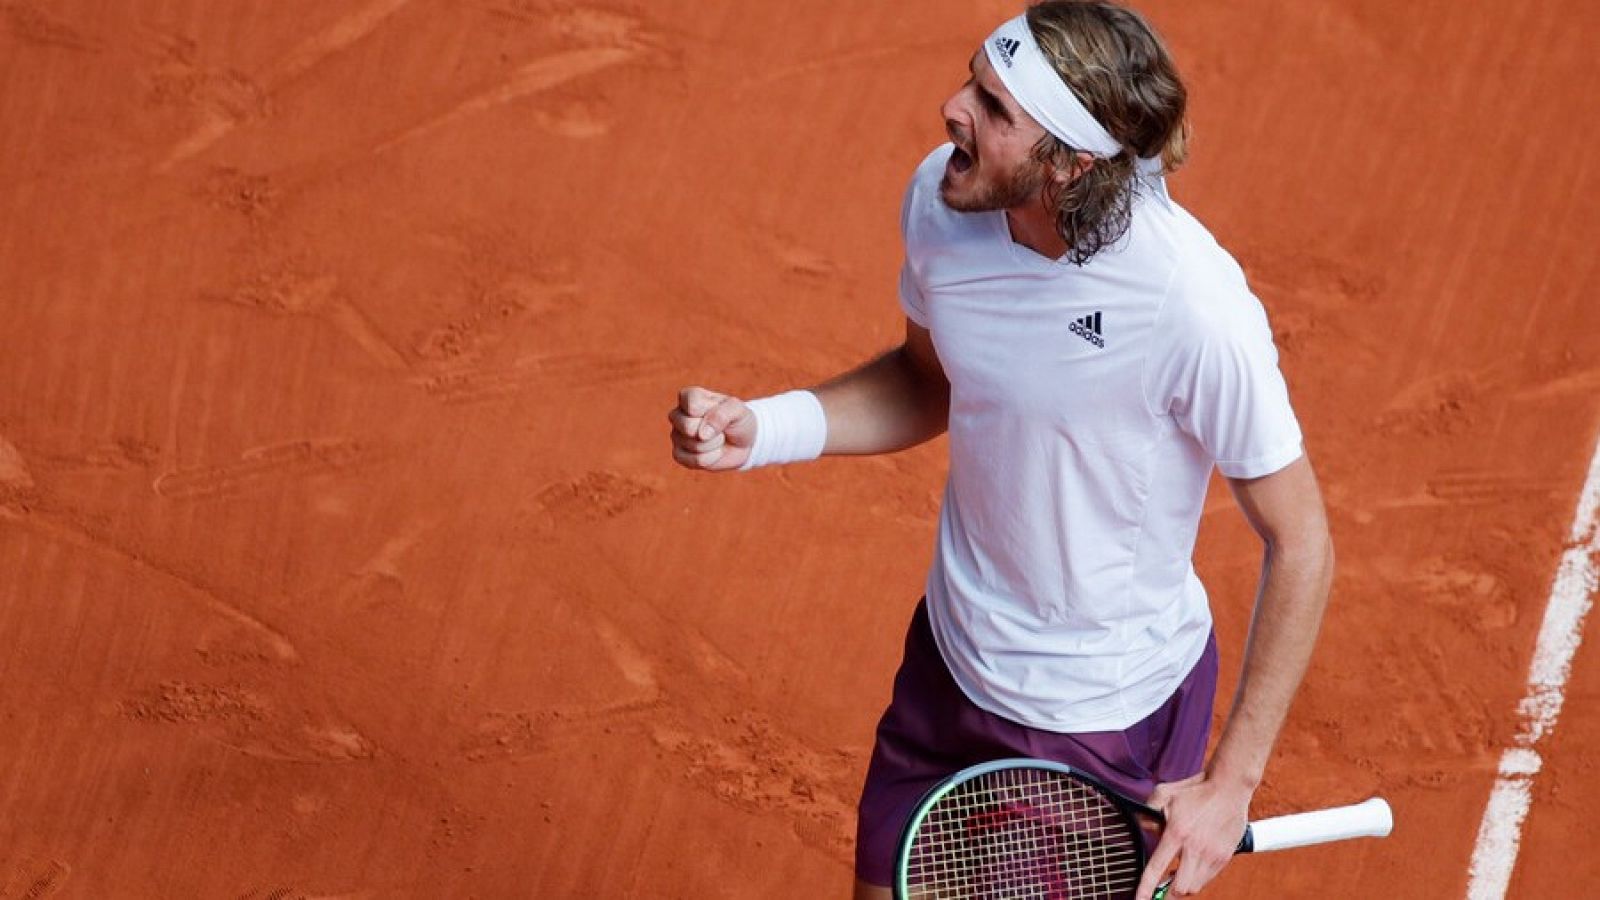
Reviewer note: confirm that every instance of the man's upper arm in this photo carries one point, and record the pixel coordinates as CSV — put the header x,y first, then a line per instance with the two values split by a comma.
x,y
920,350
1284,507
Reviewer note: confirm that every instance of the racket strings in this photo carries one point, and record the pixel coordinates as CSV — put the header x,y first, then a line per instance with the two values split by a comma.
x,y
1023,833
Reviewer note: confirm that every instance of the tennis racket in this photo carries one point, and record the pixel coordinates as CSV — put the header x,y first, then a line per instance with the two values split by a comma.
x,y
1017,828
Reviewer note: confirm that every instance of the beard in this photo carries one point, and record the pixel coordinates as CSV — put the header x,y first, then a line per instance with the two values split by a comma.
x,y
1018,187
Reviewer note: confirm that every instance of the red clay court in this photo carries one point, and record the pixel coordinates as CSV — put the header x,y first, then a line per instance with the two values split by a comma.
x,y
341,553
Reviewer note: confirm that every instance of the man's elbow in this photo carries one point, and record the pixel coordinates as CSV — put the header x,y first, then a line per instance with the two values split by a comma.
x,y
1308,550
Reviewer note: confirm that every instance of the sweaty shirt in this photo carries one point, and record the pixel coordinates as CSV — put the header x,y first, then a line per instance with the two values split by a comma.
x,y
1088,405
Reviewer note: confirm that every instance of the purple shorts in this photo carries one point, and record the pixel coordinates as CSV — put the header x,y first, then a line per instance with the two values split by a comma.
x,y
931,731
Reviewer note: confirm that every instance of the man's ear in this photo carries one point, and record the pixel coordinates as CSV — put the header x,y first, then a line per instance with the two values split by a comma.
x,y
1081,163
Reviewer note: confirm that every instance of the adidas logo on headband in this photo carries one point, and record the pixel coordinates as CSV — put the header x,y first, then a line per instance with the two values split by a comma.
x,y
1008,48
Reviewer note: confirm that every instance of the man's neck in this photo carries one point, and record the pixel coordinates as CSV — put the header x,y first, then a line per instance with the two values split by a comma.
x,y
1035,228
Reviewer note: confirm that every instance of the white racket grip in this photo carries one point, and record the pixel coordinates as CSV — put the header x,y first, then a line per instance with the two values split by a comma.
x,y
1371,818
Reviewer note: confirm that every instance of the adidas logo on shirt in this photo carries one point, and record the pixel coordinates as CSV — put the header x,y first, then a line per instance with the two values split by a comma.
x,y
1088,328
1008,49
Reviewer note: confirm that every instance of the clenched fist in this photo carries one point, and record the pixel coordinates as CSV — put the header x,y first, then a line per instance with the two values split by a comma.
x,y
711,431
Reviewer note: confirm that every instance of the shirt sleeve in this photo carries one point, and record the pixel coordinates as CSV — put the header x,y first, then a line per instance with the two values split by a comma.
x,y
1215,371
912,298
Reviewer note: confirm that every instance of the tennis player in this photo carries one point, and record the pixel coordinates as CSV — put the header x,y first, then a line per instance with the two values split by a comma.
x,y
1094,354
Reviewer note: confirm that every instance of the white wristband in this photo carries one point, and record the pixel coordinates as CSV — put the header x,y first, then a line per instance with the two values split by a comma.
x,y
790,427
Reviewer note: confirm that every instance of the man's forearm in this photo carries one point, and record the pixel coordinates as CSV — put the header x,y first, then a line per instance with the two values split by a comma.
x,y
1293,593
884,406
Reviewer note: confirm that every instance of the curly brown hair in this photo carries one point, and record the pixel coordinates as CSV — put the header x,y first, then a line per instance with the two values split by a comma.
x,y
1112,60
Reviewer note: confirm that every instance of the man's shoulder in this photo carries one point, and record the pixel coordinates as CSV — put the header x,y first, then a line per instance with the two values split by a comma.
x,y
931,169
1209,298
925,221
924,186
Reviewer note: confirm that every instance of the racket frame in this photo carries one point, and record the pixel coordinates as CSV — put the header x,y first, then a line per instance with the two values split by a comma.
x,y
1370,818
1130,810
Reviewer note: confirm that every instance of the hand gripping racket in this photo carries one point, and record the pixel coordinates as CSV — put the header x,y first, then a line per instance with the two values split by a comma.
x,y
1031,828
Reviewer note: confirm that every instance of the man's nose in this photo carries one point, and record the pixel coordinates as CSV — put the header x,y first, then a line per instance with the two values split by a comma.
x,y
955,114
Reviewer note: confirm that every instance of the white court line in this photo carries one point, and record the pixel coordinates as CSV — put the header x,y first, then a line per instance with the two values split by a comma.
x,y
1577,578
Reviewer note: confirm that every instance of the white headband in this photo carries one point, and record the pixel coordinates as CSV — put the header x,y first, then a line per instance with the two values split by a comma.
x,y
1044,95
1041,92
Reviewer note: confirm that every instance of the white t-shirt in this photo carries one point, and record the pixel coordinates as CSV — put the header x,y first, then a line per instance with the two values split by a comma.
x,y
1088,405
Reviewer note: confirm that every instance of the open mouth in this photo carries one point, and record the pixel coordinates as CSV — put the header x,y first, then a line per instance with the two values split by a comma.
x,y
960,160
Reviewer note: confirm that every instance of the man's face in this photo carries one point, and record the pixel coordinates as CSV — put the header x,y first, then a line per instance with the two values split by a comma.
x,y
992,166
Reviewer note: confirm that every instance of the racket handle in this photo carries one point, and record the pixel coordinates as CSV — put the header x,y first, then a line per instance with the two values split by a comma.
x,y
1371,818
